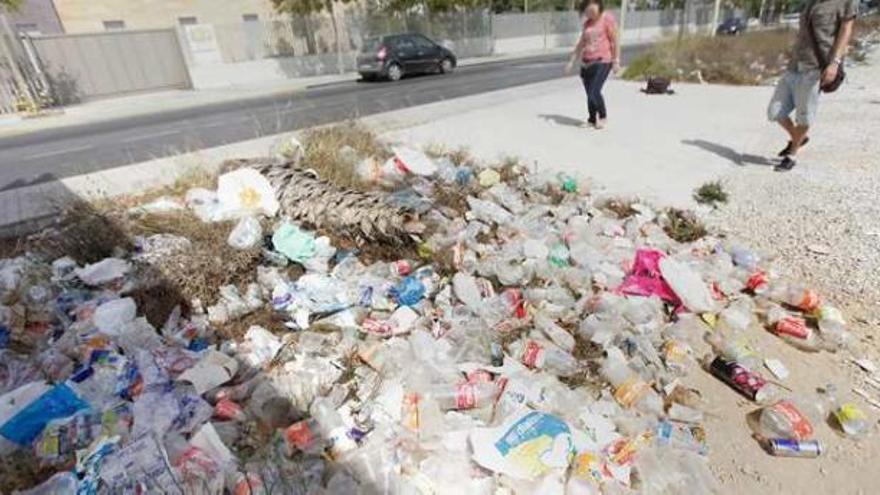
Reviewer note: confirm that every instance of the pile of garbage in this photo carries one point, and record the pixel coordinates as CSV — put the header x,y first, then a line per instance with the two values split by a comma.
x,y
547,355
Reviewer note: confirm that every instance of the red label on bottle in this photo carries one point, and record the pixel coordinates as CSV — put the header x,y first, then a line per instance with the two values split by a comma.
x,y
300,435
532,353
479,376
757,281
801,427
227,410
402,267
464,396
810,301
793,326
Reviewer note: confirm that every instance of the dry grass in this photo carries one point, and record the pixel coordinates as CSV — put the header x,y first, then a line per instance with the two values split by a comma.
x,y
22,471
620,207
749,59
325,152
683,225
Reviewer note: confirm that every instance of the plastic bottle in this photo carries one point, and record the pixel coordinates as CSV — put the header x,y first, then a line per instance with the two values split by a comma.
x,y
795,295
832,328
736,349
792,419
332,427
462,396
793,330
630,390
554,332
677,436
545,356
847,416
745,381
303,436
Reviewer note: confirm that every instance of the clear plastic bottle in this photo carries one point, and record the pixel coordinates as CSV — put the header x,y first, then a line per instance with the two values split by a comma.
x,y
793,330
554,332
793,419
630,390
735,349
545,356
796,295
462,396
832,328
851,420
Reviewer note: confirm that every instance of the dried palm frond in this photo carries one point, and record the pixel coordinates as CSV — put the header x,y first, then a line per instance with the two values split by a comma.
x,y
363,215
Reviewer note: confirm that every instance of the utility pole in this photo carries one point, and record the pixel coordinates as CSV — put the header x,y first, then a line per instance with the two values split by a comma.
x,y
714,26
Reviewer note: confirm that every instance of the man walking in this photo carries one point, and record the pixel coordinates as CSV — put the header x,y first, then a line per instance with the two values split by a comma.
x,y
822,41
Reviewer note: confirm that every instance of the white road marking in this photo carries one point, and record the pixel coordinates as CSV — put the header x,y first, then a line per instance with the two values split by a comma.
x,y
143,137
65,151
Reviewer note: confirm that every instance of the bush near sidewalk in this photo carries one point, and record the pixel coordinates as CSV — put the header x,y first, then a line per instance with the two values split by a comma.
x,y
749,59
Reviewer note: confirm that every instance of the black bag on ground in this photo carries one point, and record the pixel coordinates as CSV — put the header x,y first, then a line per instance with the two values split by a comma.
x,y
658,86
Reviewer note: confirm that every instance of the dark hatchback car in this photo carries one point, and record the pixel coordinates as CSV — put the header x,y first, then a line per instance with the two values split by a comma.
x,y
395,55
733,26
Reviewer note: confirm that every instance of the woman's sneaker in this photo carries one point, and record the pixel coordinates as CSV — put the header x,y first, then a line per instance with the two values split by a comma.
x,y
600,124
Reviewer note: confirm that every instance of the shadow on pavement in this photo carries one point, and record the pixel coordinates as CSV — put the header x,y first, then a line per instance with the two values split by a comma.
x,y
562,120
728,153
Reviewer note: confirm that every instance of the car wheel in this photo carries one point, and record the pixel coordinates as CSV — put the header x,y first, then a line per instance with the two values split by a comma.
x,y
446,66
395,72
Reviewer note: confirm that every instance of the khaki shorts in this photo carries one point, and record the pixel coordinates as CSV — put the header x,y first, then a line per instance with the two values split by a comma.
x,y
796,91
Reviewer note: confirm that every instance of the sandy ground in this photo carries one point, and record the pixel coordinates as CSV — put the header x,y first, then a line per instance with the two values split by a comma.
x,y
661,149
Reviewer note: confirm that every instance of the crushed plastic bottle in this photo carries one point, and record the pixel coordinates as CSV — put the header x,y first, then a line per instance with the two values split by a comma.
x,y
630,390
794,419
847,416
545,356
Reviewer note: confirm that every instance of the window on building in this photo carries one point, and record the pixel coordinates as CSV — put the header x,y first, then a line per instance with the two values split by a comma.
x,y
26,27
114,25
187,21
250,17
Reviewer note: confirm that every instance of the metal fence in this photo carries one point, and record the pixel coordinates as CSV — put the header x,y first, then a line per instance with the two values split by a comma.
x,y
82,66
469,32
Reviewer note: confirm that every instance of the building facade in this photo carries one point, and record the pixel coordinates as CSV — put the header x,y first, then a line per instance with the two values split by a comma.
x,y
81,16
36,17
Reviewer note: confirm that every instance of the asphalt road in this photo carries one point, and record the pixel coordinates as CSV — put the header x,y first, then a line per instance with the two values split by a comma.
x,y
57,153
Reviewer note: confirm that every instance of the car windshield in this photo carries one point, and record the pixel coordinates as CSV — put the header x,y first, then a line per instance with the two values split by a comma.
x,y
371,45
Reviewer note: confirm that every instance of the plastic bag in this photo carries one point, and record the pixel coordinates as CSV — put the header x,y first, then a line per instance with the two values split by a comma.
x,y
687,285
26,411
104,271
245,190
414,161
246,234
298,245
409,291
112,316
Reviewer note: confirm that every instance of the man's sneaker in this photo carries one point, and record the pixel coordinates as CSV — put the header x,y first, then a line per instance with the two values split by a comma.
x,y
787,151
785,165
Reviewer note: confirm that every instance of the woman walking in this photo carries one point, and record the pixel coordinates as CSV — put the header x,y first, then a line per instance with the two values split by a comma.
x,y
599,53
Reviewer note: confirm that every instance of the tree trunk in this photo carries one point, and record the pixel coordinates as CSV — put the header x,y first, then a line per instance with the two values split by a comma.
x,y
339,63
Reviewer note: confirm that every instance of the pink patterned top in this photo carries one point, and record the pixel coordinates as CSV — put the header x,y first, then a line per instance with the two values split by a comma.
x,y
597,38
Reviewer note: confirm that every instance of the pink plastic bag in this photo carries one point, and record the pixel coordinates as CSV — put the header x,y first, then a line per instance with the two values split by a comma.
x,y
645,279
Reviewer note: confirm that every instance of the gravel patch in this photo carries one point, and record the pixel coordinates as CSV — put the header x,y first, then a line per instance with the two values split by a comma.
x,y
822,220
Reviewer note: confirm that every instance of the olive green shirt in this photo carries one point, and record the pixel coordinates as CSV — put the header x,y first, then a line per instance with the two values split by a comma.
x,y
826,17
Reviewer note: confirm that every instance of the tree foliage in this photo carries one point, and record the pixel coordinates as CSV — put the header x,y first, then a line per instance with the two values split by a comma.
x,y
10,5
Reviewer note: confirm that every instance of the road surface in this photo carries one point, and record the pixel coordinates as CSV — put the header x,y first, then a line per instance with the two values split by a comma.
x,y
58,153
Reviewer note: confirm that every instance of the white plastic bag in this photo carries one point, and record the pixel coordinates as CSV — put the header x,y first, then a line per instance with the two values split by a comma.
x,y
247,234
687,285
246,191
112,316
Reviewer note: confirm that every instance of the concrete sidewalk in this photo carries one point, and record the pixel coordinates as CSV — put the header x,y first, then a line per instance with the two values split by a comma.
x,y
657,147
135,105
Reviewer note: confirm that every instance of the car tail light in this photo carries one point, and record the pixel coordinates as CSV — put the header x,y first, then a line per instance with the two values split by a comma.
x,y
383,52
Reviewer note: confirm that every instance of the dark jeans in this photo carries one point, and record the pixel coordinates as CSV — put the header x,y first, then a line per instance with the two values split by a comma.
x,y
593,77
